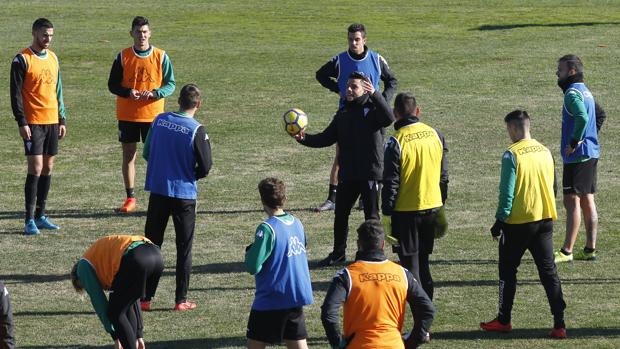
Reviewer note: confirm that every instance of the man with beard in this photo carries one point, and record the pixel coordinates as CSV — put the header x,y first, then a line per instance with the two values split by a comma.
x,y
358,128
580,152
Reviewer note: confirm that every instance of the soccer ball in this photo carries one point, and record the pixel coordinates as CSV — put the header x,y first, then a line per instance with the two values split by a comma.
x,y
294,121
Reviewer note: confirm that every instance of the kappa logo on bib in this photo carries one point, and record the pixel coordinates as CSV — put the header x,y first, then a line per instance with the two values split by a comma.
x,y
295,247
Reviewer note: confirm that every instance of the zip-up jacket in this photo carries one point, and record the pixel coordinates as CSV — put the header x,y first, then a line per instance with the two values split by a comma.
x,y
358,128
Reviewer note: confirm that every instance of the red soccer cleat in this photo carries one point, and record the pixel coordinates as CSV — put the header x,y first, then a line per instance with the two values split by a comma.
x,y
145,305
558,333
130,205
185,306
495,326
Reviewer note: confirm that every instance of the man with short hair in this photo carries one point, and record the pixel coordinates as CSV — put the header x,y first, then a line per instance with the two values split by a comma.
x,y
415,187
279,263
334,74
524,221
358,128
7,341
580,152
141,77
38,108
374,292
178,154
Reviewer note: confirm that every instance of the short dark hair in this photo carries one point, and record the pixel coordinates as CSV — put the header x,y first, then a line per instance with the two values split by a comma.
x,y
518,117
370,235
572,62
189,96
357,27
139,21
405,104
272,192
41,23
359,75
75,280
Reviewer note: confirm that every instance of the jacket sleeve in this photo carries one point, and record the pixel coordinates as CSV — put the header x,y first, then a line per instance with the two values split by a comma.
x,y
146,149
600,116
258,252
326,138
336,295
202,149
389,80
18,71
444,178
327,75
422,308
6,320
169,83
383,115
391,176
115,80
506,186
575,105
90,282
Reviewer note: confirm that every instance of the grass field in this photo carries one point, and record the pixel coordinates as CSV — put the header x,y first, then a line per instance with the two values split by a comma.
x,y
468,62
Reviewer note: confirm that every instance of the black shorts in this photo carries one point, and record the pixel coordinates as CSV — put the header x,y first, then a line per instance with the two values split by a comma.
x,y
273,326
131,132
43,140
580,177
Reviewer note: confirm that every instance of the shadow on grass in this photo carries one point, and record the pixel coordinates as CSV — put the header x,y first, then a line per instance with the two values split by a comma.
x,y
107,213
528,25
52,313
195,343
527,333
32,278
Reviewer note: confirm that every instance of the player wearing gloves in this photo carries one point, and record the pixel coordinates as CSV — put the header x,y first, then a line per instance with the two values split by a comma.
x,y
524,221
374,292
415,186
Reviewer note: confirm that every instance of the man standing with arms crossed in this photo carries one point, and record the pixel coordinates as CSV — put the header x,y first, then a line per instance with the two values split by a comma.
x,y
524,221
580,152
415,186
334,74
178,153
38,107
141,77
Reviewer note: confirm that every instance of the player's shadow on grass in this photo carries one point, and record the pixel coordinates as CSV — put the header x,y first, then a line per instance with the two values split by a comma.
x,y
494,283
194,343
52,313
108,213
528,25
32,278
527,333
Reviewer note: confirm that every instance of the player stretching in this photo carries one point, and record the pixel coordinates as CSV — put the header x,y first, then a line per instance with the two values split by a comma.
x,y
141,77
36,99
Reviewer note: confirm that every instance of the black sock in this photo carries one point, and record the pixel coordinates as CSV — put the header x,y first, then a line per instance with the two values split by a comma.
x,y
588,250
504,320
130,193
564,252
559,323
332,193
30,193
43,187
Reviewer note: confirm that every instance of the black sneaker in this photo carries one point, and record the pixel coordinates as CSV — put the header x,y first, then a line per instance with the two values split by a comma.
x,y
332,259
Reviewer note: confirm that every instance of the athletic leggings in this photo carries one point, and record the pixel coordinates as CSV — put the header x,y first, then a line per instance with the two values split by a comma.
x,y
140,265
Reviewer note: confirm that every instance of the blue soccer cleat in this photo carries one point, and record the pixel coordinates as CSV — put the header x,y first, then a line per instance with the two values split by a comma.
x,y
31,228
44,223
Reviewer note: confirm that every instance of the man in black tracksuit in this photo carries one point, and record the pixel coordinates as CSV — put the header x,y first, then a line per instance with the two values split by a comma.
x,y
358,128
7,341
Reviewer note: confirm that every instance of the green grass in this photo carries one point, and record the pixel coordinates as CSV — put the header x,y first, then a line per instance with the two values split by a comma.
x,y
468,62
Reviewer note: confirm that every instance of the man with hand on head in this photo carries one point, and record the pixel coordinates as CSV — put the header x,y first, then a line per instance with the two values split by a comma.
x,y
358,128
